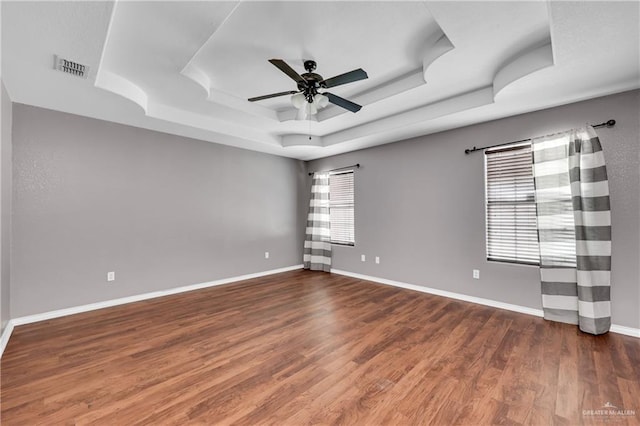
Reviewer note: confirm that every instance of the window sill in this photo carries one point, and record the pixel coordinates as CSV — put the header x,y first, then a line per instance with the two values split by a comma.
x,y
343,244
513,262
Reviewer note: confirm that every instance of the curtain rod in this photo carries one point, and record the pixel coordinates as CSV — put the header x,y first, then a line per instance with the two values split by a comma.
x,y
609,123
357,166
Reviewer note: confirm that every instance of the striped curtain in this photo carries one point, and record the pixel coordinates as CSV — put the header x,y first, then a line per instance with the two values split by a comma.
x,y
317,244
574,229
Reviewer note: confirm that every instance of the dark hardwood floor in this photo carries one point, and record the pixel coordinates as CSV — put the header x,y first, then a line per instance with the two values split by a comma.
x,y
314,348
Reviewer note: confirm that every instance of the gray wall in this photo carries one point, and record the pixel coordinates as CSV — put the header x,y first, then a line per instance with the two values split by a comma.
x,y
161,211
165,211
5,207
420,206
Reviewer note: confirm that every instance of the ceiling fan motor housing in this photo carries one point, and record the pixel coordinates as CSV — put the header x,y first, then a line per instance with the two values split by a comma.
x,y
313,83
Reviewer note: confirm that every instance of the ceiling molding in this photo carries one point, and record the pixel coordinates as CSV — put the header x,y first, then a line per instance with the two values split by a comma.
x,y
472,99
198,76
302,140
390,88
438,44
189,64
119,85
222,98
529,60
187,68
206,122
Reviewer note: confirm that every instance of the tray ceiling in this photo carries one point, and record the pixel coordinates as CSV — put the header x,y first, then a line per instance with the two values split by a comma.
x,y
187,68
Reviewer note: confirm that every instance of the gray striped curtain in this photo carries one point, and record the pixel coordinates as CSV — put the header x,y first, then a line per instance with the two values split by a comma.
x,y
574,229
317,244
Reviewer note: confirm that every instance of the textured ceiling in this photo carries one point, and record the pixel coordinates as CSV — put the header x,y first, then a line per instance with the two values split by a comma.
x,y
188,67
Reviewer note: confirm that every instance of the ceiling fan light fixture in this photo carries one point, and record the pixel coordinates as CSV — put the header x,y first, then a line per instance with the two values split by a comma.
x,y
311,108
298,100
307,108
320,101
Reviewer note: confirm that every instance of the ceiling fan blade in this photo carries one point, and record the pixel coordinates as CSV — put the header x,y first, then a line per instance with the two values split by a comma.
x,y
342,102
285,68
345,78
273,95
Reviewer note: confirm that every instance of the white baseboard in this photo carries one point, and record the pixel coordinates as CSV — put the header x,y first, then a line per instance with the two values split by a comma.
x,y
627,331
619,329
449,294
138,297
124,300
5,336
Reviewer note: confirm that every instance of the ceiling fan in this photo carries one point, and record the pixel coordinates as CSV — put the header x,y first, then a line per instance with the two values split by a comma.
x,y
307,98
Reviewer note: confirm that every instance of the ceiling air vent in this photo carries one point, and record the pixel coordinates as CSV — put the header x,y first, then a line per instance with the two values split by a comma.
x,y
71,67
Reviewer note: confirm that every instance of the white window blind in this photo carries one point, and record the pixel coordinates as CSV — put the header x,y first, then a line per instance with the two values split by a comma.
x,y
341,207
511,209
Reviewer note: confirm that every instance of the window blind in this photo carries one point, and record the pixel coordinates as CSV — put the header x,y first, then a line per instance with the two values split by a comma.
x,y
341,207
512,234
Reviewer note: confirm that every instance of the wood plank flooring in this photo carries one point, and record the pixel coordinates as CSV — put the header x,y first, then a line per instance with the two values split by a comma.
x,y
314,348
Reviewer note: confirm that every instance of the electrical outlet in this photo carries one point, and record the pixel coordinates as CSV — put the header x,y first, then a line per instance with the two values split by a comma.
x,y
363,258
476,274
266,254
377,259
111,276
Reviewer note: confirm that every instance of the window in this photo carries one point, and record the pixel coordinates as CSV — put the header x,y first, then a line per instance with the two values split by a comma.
x,y
511,208
341,207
